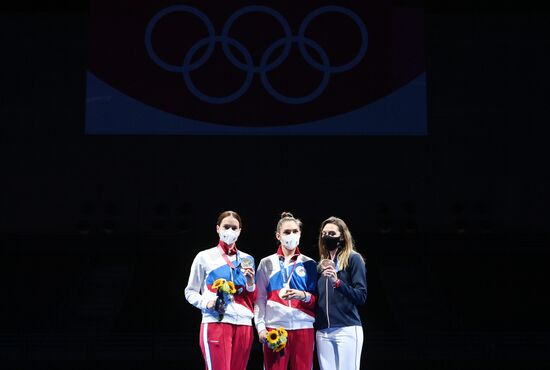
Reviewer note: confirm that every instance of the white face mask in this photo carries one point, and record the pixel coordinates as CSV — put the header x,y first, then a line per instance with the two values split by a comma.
x,y
229,236
290,241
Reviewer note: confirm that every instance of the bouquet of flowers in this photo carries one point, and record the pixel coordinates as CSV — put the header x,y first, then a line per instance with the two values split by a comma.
x,y
276,340
225,290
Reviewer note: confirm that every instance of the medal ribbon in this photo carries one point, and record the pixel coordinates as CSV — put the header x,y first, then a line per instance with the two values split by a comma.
x,y
284,270
224,256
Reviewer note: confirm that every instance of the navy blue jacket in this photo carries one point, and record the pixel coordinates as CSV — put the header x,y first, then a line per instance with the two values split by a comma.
x,y
337,307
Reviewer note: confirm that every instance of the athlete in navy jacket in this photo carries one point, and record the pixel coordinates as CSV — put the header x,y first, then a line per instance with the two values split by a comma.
x,y
342,286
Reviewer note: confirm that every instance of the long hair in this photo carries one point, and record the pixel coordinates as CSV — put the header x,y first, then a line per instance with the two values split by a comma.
x,y
348,246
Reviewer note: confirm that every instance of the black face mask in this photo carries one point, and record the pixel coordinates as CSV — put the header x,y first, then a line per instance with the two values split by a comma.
x,y
332,242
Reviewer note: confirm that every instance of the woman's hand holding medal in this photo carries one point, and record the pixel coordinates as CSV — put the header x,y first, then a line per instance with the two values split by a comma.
x,y
248,270
288,294
327,268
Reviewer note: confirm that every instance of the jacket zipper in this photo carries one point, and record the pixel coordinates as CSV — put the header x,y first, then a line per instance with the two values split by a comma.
x,y
326,292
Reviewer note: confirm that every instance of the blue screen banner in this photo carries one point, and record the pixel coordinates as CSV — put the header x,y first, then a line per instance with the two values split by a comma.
x,y
264,68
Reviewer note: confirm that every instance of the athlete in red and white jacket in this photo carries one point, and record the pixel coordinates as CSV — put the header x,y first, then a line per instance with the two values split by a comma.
x,y
286,294
226,330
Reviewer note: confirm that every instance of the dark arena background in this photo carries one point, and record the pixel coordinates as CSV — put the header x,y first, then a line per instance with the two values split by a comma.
x,y
98,228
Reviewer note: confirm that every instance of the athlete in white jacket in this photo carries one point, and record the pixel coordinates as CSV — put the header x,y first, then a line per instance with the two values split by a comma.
x,y
226,329
286,283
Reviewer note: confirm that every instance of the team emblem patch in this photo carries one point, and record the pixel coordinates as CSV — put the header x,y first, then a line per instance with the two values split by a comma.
x,y
300,271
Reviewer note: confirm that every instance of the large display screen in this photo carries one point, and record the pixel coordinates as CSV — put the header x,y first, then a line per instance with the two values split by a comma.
x,y
262,68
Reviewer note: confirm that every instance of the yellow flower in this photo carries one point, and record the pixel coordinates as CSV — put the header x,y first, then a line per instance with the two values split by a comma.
x,y
283,332
273,337
218,284
279,348
232,289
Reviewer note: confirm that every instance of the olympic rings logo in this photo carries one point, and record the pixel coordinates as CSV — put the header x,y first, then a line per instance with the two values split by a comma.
x,y
264,66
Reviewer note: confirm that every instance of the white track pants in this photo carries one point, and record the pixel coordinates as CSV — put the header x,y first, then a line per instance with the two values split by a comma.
x,y
339,348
